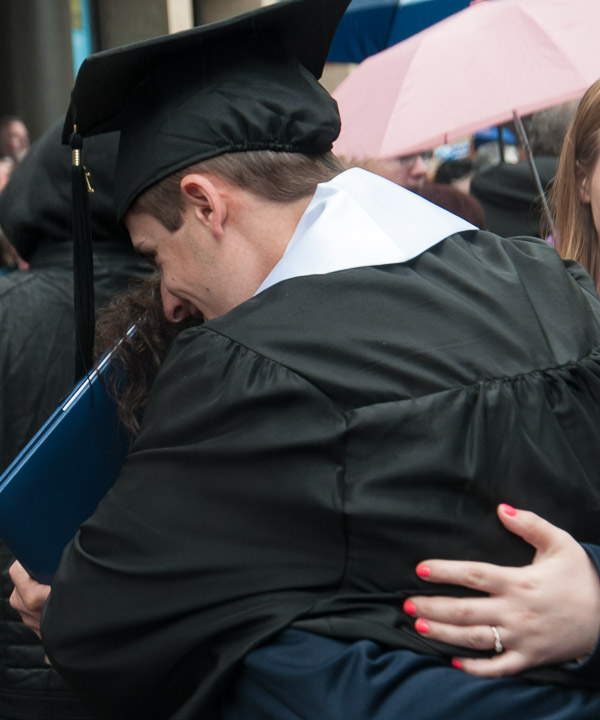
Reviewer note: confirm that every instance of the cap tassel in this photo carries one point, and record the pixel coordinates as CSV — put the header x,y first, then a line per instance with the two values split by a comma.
x,y
83,264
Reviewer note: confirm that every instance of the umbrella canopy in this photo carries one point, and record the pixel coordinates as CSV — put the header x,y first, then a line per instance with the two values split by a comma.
x,y
472,70
369,26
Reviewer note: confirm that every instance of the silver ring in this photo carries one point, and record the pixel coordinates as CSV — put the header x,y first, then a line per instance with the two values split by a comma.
x,y
498,646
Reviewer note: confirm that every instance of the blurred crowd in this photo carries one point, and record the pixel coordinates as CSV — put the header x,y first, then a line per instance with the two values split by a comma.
x,y
14,144
486,178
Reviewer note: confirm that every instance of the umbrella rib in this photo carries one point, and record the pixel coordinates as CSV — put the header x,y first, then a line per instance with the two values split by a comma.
x,y
391,26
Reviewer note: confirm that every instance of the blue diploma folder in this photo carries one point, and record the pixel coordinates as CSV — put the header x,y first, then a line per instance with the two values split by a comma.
x,y
58,479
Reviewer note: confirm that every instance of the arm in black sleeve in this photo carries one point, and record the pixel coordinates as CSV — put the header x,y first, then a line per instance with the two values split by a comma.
x,y
223,526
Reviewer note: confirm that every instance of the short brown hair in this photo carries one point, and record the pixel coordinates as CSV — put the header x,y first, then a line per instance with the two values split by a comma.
x,y
276,176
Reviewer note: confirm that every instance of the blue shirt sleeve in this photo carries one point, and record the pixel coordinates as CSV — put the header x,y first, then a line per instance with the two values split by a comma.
x,y
590,667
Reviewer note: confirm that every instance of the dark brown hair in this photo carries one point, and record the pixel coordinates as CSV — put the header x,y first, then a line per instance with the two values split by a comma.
x,y
454,200
275,176
141,355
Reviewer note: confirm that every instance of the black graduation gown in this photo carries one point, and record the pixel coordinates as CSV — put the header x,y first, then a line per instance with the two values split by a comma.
x,y
303,452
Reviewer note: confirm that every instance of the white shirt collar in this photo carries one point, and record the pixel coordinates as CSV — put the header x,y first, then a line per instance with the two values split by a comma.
x,y
359,219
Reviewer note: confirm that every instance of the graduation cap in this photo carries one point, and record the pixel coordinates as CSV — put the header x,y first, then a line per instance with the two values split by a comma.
x,y
242,84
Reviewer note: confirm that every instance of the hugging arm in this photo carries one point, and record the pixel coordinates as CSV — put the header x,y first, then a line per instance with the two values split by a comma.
x,y
544,613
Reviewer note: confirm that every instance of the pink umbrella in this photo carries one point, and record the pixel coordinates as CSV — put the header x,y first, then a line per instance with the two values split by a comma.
x,y
470,71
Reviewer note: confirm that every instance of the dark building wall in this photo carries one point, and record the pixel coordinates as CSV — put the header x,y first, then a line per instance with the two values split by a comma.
x,y
213,10
35,60
121,23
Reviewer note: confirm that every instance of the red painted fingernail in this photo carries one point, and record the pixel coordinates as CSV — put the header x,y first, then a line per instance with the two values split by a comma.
x,y
422,626
423,571
508,509
457,664
410,608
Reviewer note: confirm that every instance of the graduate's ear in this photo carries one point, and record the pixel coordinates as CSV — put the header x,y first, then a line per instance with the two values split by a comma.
x,y
583,184
210,205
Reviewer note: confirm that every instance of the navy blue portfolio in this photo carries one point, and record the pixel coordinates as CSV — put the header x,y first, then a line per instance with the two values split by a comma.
x,y
58,479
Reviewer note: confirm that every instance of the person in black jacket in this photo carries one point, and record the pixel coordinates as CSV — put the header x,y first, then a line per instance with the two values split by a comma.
x,y
37,358
508,192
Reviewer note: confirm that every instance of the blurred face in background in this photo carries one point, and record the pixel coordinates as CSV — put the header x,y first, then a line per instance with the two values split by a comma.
x,y
410,171
14,140
6,168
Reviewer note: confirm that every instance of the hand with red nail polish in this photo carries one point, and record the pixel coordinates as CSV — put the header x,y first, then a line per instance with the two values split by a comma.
x,y
409,608
421,626
423,571
547,612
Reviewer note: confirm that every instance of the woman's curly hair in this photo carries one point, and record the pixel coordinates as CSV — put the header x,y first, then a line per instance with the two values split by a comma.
x,y
140,354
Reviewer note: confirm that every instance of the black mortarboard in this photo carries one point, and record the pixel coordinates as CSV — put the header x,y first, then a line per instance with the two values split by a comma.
x,y
246,83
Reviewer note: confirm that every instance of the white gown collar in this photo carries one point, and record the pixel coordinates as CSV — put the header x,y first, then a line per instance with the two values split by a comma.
x,y
359,219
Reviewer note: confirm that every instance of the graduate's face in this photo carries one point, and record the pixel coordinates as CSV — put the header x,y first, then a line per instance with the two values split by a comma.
x,y
219,256
179,261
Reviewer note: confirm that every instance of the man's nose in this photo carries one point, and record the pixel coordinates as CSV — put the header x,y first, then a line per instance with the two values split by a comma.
x,y
419,169
175,309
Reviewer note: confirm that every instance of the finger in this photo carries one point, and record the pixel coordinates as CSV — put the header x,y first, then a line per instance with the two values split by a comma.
x,y
30,594
473,637
532,528
16,602
17,572
455,611
487,578
508,663
30,620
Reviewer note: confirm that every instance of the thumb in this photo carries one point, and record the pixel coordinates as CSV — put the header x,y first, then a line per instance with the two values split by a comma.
x,y
509,663
532,528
